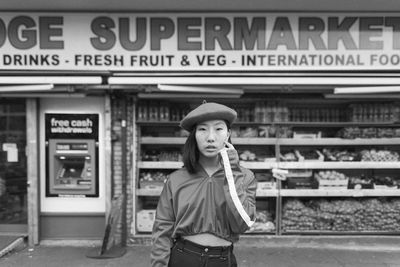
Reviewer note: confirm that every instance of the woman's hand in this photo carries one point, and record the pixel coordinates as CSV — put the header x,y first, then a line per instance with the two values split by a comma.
x,y
229,145
232,153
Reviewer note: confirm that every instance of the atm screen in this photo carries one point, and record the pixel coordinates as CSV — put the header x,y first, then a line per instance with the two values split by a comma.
x,y
72,169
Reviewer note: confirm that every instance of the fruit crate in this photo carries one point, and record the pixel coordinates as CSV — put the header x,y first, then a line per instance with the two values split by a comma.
x,y
316,156
361,185
151,185
299,173
301,183
332,184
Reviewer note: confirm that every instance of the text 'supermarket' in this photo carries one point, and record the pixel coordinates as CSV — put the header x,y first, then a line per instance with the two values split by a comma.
x,y
133,33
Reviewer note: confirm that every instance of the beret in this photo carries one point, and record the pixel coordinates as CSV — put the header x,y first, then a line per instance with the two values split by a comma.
x,y
208,111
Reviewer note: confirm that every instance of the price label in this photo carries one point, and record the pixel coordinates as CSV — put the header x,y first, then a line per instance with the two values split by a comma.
x,y
279,174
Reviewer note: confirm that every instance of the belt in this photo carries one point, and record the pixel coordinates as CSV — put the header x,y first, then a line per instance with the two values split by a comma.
x,y
210,251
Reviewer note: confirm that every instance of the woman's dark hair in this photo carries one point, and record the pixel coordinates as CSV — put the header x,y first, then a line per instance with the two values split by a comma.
x,y
191,152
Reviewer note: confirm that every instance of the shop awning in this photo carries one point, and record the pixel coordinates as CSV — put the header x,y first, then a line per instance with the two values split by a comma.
x,y
340,86
50,79
45,86
342,81
333,86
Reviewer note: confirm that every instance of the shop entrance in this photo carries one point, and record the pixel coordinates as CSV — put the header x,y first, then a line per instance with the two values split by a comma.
x,y
13,167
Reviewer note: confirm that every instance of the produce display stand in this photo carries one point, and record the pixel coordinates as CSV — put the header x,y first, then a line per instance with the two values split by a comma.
x,y
279,195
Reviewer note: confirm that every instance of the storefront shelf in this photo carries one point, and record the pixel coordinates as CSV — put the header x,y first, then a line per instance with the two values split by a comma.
x,y
312,124
325,124
304,192
177,165
339,192
157,192
182,140
253,141
162,140
256,165
283,141
338,141
160,164
339,165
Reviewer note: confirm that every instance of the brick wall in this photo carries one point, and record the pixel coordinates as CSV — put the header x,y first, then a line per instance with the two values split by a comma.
x,y
117,148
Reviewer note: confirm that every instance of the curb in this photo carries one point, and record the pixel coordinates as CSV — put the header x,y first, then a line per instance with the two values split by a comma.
x,y
16,243
361,243
70,243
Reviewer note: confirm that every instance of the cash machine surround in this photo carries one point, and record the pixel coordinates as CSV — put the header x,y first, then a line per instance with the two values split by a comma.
x,y
72,167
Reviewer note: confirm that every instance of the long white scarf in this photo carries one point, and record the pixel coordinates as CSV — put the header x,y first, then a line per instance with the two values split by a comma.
x,y
232,188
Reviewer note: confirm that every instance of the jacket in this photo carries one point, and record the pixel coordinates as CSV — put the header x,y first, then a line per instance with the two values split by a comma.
x,y
197,203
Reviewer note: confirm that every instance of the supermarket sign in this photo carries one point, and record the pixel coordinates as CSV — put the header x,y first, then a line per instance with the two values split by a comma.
x,y
246,42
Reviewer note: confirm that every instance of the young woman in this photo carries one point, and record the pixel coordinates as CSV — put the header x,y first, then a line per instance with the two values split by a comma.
x,y
210,201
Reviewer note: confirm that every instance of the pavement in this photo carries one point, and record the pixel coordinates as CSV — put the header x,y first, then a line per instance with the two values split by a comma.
x,y
266,252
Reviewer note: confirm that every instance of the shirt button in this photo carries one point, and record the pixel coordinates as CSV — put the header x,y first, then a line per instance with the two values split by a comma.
x,y
206,249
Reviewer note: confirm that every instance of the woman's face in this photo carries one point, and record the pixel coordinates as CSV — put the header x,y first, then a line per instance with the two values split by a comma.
x,y
211,136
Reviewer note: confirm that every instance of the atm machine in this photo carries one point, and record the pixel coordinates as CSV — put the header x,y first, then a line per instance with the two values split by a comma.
x,y
72,180
72,167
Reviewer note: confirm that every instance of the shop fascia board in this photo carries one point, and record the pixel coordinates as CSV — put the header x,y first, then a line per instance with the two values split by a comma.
x,y
198,89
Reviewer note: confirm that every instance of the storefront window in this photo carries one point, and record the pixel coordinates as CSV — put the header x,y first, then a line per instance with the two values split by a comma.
x,y
13,163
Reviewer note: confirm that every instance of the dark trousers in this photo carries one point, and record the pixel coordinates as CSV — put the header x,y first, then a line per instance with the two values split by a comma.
x,y
185,253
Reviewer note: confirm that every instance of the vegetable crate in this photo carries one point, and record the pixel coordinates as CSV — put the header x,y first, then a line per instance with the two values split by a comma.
x,y
152,185
333,184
